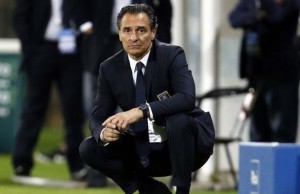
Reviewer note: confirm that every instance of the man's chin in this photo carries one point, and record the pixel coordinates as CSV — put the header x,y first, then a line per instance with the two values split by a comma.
x,y
136,54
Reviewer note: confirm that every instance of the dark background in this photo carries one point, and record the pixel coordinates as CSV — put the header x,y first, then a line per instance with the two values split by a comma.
x,y
6,29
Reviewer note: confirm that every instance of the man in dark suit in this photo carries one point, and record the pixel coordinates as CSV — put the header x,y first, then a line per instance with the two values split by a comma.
x,y
48,59
96,20
269,60
165,134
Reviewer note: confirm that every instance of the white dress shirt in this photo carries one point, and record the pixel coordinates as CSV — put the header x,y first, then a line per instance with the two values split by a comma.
x,y
55,23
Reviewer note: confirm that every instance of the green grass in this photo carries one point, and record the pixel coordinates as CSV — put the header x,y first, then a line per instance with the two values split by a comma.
x,y
49,140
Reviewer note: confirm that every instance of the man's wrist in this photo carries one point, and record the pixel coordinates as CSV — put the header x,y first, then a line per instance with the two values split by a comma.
x,y
145,109
105,143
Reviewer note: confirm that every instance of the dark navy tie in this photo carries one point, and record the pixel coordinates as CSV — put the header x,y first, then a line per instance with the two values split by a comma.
x,y
141,127
140,86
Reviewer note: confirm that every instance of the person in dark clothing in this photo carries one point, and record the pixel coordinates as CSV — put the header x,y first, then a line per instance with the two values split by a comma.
x,y
96,20
270,62
49,56
159,131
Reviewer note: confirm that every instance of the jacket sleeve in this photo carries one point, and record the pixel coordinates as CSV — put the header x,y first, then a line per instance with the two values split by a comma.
x,y
243,14
80,11
104,106
21,22
181,84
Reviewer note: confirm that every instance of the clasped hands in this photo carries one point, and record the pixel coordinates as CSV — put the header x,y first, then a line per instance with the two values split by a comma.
x,y
118,123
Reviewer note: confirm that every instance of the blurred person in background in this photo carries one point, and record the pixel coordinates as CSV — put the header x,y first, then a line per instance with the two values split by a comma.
x,y
49,56
270,62
96,20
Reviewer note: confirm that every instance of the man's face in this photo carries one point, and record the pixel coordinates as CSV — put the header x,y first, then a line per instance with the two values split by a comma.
x,y
136,35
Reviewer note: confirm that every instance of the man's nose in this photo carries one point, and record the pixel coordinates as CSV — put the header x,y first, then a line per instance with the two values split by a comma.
x,y
134,36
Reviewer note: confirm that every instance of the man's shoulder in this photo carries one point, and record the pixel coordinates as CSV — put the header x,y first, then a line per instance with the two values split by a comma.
x,y
114,59
166,49
164,45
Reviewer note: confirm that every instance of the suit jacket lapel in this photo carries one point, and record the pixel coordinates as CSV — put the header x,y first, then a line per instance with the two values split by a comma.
x,y
150,70
127,80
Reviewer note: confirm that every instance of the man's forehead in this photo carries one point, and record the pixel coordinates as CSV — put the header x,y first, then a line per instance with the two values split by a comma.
x,y
139,19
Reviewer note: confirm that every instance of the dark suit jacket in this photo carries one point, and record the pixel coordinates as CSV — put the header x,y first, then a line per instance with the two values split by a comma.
x,y
99,12
30,19
279,58
166,70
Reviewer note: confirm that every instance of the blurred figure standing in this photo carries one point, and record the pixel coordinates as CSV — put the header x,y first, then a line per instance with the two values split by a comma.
x,y
49,56
96,20
269,60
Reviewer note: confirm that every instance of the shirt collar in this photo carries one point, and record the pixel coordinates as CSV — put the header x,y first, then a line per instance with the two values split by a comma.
x,y
134,62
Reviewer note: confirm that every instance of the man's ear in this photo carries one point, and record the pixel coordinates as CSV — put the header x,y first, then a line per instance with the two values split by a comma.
x,y
119,36
153,33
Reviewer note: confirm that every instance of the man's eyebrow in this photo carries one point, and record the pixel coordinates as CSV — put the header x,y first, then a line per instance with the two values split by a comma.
x,y
126,28
141,27
138,27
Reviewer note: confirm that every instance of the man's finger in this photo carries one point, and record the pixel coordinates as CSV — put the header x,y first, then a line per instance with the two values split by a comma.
x,y
108,120
124,125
